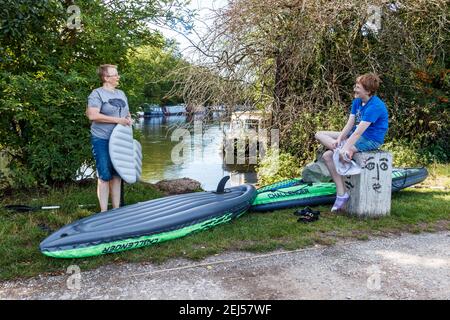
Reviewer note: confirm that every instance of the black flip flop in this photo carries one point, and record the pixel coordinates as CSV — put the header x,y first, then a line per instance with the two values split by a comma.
x,y
307,215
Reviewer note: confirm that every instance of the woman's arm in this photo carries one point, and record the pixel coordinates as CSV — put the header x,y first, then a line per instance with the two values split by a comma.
x,y
345,131
363,125
94,115
129,118
348,127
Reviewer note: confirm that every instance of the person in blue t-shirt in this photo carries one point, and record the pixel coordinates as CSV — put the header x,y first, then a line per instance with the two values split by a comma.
x,y
365,130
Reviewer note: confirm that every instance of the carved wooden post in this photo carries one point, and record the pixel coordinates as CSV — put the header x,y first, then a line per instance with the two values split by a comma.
x,y
370,191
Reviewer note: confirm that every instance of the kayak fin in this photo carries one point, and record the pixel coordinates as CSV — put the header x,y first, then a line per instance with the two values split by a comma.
x,y
221,185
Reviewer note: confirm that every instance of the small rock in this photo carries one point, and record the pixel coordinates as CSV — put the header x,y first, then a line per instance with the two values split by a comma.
x,y
178,186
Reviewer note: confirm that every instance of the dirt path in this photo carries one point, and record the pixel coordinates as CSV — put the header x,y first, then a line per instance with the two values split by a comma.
x,y
406,267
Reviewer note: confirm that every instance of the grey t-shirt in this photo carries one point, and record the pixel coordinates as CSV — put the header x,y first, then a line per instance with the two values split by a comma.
x,y
111,103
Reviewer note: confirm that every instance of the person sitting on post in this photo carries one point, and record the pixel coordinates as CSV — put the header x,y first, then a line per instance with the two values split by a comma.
x,y
365,130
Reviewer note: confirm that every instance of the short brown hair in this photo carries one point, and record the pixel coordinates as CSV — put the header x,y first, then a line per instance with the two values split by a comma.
x,y
102,71
370,82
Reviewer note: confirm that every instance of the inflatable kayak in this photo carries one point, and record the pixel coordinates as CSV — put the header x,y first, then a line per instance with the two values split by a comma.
x,y
149,222
296,193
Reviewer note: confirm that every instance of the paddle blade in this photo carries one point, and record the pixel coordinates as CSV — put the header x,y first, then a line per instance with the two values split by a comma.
x,y
20,208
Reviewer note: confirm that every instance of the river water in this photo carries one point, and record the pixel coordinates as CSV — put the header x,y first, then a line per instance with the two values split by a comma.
x,y
204,160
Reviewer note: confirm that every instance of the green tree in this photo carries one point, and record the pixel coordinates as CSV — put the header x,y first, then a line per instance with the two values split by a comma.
x,y
152,73
47,70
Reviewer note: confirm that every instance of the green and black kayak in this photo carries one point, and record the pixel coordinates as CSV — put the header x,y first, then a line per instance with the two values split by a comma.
x,y
149,222
295,192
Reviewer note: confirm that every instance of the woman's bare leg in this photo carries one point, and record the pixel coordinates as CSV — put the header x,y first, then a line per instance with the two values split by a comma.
x,y
337,178
103,194
115,191
327,138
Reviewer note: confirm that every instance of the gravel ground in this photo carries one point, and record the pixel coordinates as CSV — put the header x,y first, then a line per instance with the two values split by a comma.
x,y
405,267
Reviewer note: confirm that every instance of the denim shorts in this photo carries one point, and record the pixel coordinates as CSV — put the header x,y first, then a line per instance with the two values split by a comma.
x,y
364,144
100,150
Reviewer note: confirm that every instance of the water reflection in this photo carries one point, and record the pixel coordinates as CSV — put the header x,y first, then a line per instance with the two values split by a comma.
x,y
205,165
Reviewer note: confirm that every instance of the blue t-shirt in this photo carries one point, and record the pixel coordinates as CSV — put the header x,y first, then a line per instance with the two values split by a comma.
x,y
375,112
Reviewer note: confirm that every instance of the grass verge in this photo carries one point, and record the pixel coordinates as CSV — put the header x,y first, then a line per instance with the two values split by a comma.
x,y
423,208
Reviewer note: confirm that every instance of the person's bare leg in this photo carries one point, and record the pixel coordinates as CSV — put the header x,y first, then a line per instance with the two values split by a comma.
x,y
115,191
337,178
327,138
103,194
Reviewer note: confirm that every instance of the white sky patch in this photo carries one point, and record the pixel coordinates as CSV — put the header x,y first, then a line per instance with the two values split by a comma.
x,y
204,19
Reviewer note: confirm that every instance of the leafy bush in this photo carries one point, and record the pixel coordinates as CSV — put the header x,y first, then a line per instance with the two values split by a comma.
x,y
301,141
407,154
404,155
276,167
47,71
415,83
43,126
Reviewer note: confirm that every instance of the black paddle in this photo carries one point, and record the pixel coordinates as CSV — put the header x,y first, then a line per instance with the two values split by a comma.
x,y
122,192
23,208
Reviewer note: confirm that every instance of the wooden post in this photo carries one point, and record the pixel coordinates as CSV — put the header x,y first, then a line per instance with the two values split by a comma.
x,y
370,191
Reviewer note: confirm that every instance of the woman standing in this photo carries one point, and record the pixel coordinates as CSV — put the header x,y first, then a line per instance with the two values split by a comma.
x,y
107,106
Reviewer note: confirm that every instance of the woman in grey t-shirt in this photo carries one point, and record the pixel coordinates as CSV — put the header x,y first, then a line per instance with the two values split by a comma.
x,y
107,106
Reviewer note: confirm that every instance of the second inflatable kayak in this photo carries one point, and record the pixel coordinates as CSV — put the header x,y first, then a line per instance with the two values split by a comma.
x,y
295,193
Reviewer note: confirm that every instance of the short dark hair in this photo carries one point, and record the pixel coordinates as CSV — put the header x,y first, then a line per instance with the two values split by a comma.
x,y
370,82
